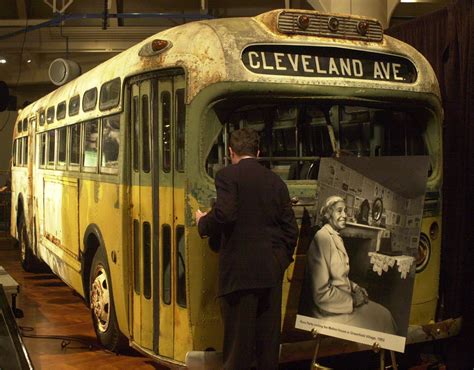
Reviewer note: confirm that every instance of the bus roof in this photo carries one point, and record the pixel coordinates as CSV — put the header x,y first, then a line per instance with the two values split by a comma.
x,y
211,51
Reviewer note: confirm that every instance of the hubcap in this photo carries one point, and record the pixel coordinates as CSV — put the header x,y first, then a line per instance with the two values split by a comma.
x,y
100,299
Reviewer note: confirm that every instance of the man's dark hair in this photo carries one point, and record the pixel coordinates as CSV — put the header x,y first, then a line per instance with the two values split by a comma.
x,y
244,141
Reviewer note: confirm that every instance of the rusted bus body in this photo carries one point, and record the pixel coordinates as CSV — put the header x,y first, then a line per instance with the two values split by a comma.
x,y
169,105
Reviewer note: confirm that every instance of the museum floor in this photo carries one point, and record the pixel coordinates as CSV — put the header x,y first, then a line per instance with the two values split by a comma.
x,y
62,314
58,333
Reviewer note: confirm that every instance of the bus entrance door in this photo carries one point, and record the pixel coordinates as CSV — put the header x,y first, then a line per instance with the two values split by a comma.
x,y
167,140
157,167
141,213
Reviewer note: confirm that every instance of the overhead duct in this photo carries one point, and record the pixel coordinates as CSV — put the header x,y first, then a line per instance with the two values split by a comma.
x,y
63,70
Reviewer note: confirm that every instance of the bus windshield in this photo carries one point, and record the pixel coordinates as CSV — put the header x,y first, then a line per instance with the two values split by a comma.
x,y
293,136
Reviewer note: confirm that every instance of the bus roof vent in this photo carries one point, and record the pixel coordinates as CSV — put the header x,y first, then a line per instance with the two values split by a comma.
x,y
326,25
63,70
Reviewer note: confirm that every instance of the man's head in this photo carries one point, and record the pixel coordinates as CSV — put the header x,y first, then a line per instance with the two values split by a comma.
x,y
243,142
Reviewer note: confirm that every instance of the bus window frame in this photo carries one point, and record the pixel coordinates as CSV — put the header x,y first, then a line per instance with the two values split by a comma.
x,y
105,169
61,110
92,102
19,149
42,153
42,117
50,165
61,165
24,151
14,152
76,167
166,150
145,153
95,168
50,112
180,141
72,104
110,103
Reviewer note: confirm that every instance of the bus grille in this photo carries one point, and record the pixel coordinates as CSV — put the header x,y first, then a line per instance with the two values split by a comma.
x,y
325,25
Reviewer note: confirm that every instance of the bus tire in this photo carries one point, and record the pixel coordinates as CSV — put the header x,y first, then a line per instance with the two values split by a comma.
x,y
28,260
102,305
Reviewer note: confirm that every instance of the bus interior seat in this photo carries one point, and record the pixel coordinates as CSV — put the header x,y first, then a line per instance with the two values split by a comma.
x,y
304,171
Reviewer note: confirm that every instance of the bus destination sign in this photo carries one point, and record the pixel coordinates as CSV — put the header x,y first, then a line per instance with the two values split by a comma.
x,y
317,61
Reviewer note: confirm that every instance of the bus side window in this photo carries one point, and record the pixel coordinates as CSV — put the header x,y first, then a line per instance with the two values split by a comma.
x,y
91,133
42,117
50,115
74,104
166,268
147,260
62,146
166,127
19,146
145,135
74,146
51,147
61,110
25,151
181,267
180,129
110,94
42,150
15,144
89,99
136,132
110,143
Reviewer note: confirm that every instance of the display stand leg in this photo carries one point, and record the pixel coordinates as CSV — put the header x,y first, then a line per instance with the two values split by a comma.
x,y
394,360
314,364
375,347
382,359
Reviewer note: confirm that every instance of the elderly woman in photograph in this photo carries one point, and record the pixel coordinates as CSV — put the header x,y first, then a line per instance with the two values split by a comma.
x,y
334,296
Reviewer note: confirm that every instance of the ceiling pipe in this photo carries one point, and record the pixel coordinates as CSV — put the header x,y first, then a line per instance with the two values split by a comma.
x,y
66,17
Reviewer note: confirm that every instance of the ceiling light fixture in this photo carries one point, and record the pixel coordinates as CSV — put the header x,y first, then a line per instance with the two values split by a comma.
x,y
28,61
2,60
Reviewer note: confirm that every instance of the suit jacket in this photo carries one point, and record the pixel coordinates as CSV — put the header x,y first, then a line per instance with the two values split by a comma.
x,y
328,272
258,229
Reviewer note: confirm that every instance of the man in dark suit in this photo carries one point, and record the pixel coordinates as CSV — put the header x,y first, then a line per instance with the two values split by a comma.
x,y
258,231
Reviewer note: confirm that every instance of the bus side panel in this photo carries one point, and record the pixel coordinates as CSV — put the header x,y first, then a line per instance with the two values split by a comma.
x,y
425,291
100,204
61,213
182,333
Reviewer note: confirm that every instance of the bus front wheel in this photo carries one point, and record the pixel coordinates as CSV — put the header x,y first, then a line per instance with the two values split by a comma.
x,y
102,304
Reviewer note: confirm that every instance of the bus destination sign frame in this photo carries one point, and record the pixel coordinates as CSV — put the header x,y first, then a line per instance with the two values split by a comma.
x,y
329,62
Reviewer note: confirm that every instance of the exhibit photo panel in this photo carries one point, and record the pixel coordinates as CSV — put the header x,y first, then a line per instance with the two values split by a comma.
x,y
360,265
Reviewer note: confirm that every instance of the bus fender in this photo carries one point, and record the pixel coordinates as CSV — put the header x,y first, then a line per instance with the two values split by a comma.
x,y
92,241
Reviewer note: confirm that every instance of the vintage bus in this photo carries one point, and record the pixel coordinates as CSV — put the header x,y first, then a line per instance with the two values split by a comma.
x,y
109,169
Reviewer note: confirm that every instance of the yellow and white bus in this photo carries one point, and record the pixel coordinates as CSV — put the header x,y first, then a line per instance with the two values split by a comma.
x,y
109,169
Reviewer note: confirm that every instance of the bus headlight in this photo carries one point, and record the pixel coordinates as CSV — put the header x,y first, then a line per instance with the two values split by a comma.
x,y
423,254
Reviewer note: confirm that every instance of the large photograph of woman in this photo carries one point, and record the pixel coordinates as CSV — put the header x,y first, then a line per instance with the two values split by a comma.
x,y
359,267
334,295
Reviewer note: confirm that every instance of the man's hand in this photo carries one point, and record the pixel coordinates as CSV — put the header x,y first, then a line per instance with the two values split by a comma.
x,y
198,215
